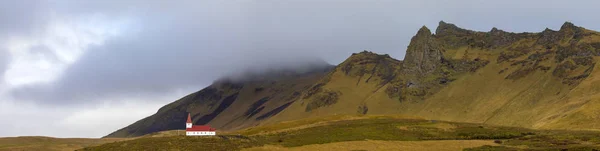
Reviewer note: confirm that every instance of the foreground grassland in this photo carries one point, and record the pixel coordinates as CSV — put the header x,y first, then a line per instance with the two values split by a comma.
x,y
371,131
38,143
439,145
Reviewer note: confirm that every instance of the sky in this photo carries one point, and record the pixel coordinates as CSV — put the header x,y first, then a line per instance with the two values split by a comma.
x,y
71,68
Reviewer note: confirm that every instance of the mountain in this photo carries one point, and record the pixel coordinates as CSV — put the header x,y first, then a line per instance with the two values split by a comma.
x,y
233,102
545,80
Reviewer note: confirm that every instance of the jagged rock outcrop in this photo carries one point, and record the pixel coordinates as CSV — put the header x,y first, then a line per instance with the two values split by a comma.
x,y
498,38
425,69
453,37
448,76
568,26
568,32
548,38
446,29
424,54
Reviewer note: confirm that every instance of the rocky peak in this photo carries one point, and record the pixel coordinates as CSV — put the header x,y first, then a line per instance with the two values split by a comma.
x,y
497,32
366,62
423,31
367,56
449,29
494,29
423,54
500,38
568,26
550,37
548,31
423,34
364,53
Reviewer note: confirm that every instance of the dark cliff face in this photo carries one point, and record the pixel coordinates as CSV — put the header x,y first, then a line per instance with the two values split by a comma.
x,y
424,54
425,70
451,36
447,29
550,38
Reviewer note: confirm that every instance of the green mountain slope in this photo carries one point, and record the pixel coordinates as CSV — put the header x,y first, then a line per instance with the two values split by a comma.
x,y
533,80
231,103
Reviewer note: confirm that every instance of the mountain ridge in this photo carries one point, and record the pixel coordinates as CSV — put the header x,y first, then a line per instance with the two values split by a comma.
x,y
533,80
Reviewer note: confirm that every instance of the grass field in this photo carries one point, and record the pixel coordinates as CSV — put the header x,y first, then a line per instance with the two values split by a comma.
x,y
342,132
372,132
438,145
38,143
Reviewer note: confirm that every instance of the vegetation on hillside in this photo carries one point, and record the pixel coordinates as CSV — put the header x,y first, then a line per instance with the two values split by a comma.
x,y
532,80
230,103
37,143
330,130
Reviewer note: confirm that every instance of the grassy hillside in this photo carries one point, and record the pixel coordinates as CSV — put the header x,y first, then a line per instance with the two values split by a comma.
x,y
230,103
348,88
330,132
36,143
438,145
545,80
530,82
466,89
534,80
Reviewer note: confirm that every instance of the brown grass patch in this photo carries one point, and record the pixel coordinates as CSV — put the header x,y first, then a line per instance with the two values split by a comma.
x,y
308,123
35,143
442,126
384,145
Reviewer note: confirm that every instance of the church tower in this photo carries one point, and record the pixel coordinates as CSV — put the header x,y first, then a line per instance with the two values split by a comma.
x,y
188,124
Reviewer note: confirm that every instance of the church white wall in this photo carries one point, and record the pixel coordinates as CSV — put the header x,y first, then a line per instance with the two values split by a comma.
x,y
200,133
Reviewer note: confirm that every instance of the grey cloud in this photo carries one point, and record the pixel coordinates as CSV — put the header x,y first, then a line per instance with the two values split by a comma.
x,y
3,63
43,50
192,43
20,17
191,47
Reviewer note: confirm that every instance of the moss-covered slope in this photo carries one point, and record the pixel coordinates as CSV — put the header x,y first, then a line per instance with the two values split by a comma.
x,y
535,80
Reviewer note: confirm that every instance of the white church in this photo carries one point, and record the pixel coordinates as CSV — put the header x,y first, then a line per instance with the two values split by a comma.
x,y
198,130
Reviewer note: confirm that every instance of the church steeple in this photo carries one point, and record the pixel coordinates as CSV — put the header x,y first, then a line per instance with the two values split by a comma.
x,y
188,124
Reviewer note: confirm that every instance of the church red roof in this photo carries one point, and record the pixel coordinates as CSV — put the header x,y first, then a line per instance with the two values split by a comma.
x,y
200,128
189,119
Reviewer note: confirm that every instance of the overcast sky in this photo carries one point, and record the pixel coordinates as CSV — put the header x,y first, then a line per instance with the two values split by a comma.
x,y
87,68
